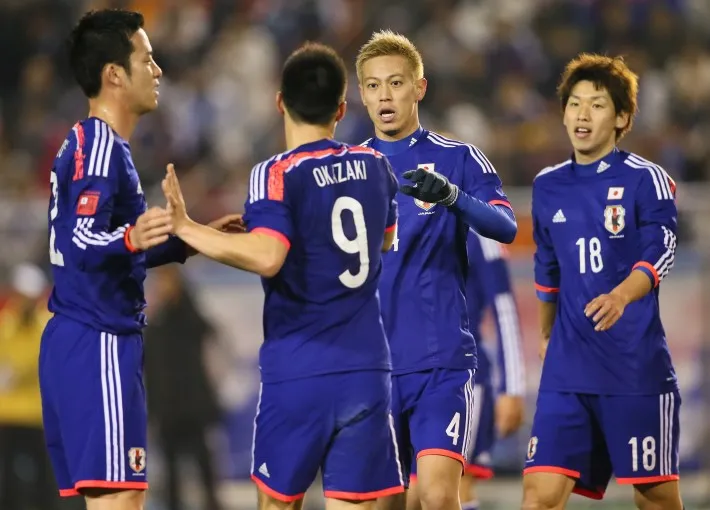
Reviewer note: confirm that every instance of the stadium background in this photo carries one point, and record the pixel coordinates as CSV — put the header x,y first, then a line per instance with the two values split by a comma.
x,y
492,67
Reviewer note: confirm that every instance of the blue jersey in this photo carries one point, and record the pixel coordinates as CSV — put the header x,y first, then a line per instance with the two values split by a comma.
x,y
95,198
423,284
593,224
489,288
331,204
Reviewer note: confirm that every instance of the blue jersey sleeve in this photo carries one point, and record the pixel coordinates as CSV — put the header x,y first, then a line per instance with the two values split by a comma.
x,y
173,250
499,292
657,222
267,207
393,186
547,268
92,191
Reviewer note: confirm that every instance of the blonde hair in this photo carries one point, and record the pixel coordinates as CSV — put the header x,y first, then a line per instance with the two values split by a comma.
x,y
386,43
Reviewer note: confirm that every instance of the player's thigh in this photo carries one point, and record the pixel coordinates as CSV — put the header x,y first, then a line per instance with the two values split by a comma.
x,y
565,452
293,425
658,496
111,499
266,502
362,461
98,401
643,436
479,462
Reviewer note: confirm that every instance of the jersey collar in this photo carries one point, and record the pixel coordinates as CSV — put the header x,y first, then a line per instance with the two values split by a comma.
x,y
597,167
392,148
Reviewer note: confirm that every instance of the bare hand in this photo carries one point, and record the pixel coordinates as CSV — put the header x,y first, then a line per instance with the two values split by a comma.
x,y
151,229
231,224
605,310
510,411
173,195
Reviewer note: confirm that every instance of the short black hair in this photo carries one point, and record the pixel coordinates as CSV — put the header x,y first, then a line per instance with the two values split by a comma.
x,y
101,37
313,83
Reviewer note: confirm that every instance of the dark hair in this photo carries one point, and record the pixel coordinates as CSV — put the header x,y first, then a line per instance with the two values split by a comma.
x,y
101,37
610,73
313,83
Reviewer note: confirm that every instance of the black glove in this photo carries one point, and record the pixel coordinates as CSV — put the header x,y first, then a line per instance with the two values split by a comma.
x,y
430,187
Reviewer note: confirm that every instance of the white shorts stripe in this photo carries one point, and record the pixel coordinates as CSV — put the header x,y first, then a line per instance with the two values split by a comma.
x,y
253,437
112,409
390,421
104,393
119,407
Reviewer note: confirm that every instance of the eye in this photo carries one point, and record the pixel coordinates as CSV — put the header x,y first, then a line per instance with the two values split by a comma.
x,y
573,103
372,85
396,83
598,106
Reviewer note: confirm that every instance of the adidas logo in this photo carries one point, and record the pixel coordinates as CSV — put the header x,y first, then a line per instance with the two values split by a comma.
x,y
412,141
603,166
264,471
559,217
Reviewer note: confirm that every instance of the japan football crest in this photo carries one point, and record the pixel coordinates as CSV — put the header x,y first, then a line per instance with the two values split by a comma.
x,y
429,167
614,220
136,459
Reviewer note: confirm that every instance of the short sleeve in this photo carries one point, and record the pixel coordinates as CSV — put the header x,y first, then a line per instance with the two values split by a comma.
x,y
267,207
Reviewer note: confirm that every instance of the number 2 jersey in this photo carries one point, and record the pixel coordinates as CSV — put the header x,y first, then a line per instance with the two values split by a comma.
x,y
423,284
593,224
330,204
96,197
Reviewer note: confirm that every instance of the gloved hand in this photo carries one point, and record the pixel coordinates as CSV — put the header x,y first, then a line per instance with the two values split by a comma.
x,y
430,187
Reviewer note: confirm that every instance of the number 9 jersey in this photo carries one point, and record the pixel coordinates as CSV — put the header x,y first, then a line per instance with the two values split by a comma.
x,y
594,224
331,204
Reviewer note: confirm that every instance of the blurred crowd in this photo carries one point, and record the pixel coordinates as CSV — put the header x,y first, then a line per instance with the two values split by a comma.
x,y
492,67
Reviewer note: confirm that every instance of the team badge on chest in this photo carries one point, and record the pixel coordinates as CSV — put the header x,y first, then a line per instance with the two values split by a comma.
x,y
614,218
429,167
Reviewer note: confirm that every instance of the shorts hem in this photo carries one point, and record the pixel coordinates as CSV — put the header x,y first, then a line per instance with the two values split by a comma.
x,y
479,472
552,470
285,498
101,484
443,453
363,496
587,493
647,479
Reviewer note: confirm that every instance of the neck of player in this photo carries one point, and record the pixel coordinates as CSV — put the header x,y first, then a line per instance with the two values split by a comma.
x,y
298,134
120,118
586,158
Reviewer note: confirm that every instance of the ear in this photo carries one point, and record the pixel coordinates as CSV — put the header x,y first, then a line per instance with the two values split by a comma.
x,y
280,103
421,86
622,120
114,75
340,113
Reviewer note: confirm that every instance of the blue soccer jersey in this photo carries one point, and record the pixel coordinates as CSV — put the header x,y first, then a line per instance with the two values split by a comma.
x,y
423,284
331,204
96,197
489,288
594,224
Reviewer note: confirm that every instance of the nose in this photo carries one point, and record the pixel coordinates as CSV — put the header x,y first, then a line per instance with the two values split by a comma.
x,y
385,93
583,112
158,71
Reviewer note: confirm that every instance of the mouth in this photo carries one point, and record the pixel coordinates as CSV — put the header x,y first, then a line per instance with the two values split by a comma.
x,y
386,115
582,132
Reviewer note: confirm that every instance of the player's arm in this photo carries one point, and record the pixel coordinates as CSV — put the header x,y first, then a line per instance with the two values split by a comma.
x,y
262,250
93,189
173,250
547,275
480,202
657,218
393,212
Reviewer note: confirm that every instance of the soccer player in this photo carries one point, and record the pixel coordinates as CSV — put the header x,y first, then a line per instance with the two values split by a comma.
x,y
604,224
101,240
447,187
497,411
318,217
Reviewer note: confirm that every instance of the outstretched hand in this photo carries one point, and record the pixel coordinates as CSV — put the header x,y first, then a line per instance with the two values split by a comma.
x,y
173,195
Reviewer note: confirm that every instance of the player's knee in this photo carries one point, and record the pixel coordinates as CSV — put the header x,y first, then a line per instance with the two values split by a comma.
x,y
542,496
438,497
664,496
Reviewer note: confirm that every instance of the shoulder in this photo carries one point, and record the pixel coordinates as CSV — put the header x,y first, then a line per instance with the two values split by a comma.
x,y
550,172
460,149
664,185
361,149
97,150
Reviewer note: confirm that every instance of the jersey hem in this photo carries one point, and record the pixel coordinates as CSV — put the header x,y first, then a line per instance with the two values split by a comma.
x,y
100,327
270,380
426,368
588,391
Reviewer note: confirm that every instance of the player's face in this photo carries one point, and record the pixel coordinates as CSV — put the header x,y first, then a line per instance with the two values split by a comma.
x,y
142,84
591,121
390,93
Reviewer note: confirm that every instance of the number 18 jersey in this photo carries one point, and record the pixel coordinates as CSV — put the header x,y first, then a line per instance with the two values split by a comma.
x,y
331,204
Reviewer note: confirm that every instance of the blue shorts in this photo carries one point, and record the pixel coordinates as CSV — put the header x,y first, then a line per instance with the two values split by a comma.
x,y
433,415
479,463
589,437
338,423
93,407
